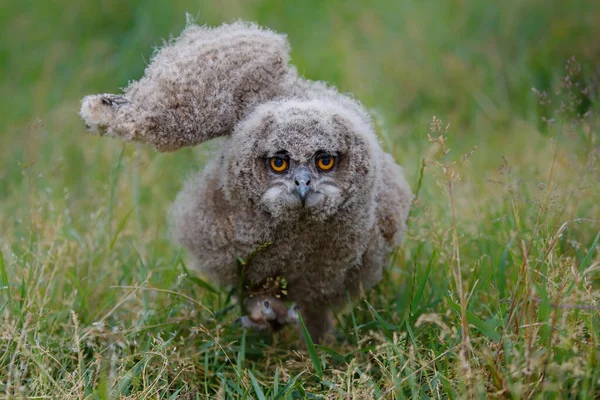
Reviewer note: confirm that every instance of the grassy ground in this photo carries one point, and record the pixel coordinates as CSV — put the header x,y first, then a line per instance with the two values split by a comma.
x,y
494,293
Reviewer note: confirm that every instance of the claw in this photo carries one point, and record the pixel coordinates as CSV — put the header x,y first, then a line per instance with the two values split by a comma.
x,y
292,314
268,312
113,100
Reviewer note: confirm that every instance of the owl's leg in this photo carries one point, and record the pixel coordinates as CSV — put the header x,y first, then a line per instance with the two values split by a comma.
x,y
317,320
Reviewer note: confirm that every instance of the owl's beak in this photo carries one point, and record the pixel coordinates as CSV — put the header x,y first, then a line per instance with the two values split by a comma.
x,y
302,181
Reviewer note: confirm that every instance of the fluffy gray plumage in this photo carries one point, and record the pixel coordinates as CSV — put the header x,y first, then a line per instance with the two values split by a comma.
x,y
331,230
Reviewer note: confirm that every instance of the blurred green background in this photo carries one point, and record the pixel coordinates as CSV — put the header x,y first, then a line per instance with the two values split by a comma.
x,y
82,218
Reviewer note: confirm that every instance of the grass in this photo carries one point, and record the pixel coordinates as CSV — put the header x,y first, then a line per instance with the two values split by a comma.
x,y
493,294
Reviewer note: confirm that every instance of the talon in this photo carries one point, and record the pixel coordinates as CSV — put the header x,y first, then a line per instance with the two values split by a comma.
x,y
268,311
244,321
113,101
292,314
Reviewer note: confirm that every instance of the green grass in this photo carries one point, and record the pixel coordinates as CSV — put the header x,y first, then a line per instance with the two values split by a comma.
x,y
493,294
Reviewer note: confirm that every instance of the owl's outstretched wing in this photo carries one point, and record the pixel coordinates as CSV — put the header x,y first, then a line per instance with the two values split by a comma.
x,y
195,88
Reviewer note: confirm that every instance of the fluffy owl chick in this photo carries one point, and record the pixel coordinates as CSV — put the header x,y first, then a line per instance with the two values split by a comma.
x,y
300,167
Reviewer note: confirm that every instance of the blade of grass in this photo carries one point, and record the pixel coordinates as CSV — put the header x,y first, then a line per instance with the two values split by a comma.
x,y
588,258
418,186
120,228
353,317
206,368
257,389
500,273
334,354
23,295
477,323
312,351
175,394
386,326
291,383
585,262
200,282
422,282
411,334
276,382
229,384
4,285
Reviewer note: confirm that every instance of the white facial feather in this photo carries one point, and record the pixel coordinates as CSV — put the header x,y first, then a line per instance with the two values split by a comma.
x,y
329,190
274,194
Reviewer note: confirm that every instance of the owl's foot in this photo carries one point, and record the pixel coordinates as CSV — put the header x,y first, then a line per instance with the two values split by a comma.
x,y
268,313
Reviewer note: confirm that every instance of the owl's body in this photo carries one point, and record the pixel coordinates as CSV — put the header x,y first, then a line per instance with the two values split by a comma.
x,y
320,260
301,167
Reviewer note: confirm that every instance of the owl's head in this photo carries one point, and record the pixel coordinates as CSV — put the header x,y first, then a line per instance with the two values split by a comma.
x,y
301,159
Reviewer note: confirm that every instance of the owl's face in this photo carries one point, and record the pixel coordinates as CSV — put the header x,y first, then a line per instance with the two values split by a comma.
x,y
300,160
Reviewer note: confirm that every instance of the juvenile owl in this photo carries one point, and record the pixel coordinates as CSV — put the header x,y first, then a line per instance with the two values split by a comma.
x,y
300,181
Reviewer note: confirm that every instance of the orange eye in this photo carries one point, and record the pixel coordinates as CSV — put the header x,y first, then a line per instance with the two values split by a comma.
x,y
325,163
278,164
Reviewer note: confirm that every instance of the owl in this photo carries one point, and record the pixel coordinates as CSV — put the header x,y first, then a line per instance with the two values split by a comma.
x,y
299,188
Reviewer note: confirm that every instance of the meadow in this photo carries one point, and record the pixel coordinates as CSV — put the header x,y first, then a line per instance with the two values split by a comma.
x,y
493,109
